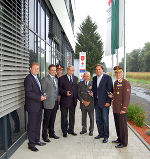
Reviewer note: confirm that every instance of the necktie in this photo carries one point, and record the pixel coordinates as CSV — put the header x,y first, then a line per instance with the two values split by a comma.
x,y
38,82
53,79
70,80
86,84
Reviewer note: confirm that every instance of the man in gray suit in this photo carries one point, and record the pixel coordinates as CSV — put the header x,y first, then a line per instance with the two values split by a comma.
x,y
85,97
50,88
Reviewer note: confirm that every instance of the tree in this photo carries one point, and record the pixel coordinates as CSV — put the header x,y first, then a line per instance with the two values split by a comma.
x,y
89,41
145,58
133,61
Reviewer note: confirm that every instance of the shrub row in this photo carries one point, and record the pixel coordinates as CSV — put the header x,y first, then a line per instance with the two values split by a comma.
x,y
136,114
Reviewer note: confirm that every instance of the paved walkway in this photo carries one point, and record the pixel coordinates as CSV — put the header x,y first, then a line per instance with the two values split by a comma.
x,y
84,146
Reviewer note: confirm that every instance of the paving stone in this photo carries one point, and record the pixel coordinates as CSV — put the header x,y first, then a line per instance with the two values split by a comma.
x,y
84,146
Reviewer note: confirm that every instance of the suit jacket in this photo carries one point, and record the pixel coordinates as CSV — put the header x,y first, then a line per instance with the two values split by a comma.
x,y
64,85
83,95
121,93
101,93
32,94
49,88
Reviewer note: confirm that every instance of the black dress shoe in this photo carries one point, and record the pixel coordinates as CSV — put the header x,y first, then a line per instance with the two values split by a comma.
x,y
83,132
90,133
46,140
116,141
98,137
64,134
33,148
54,136
105,140
72,133
40,143
120,146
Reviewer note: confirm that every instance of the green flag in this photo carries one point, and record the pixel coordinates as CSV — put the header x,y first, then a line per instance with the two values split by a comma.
x,y
115,26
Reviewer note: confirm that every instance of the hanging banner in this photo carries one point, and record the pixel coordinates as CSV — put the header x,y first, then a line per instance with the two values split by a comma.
x,y
108,31
82,64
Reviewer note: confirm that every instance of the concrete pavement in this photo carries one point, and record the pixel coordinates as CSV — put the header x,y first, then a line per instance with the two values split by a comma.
x,y
84,146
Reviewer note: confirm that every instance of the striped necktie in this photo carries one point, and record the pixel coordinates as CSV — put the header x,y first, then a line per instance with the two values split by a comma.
x,y
38,82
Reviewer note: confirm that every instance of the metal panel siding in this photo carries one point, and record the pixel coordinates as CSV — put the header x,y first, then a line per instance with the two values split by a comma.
x,y
14,54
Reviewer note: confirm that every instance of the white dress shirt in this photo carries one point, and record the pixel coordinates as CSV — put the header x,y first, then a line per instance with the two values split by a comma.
x,y
99,80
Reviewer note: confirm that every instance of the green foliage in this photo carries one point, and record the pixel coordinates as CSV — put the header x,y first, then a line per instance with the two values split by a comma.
x,y
148,132
138,60
89,41
136,114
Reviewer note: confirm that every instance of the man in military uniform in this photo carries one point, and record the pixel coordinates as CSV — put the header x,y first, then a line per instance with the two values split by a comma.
x,y
59,71
85,97
121,99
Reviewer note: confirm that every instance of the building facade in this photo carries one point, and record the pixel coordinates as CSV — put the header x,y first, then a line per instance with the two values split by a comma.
x,y
30,30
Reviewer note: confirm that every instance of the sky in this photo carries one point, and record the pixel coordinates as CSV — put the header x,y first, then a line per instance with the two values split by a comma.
x,y
137,25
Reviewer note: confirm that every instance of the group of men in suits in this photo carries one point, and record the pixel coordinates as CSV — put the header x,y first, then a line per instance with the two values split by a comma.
x,y
65,90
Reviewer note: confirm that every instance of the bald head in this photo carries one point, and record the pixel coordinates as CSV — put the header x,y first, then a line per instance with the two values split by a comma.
x,y
86,76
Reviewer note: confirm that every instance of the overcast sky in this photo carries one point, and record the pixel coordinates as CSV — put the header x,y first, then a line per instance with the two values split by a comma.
x,y
137,21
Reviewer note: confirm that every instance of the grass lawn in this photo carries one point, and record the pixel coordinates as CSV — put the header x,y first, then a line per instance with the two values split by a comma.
x,y
139,81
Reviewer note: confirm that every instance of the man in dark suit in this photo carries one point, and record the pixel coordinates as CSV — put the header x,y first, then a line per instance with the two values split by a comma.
x,y
121,99
86,103
102,84
33,105
50,87
68,91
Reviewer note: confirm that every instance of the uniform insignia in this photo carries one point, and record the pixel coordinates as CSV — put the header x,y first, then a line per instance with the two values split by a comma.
x,y
128,88
119,85
121,80
90,87
117,92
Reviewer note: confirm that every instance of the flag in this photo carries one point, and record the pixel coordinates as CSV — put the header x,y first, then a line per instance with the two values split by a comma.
x,y
117,25
108,30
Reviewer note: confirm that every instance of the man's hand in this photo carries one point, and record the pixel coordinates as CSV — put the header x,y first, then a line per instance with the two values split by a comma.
x,y
107,104
110,95
68,93
122,112
43,98
85,103
91,94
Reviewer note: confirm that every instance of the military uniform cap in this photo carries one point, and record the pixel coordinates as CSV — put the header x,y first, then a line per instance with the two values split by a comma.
x,y
118,69
59,67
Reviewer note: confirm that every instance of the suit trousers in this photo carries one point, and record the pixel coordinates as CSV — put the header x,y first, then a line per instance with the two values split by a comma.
x,y
121,128
64,118
84,119
102,121
49,121
34,127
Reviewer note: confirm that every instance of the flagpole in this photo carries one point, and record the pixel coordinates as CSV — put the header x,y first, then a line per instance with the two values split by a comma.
x,y
112,66
117,62
124,45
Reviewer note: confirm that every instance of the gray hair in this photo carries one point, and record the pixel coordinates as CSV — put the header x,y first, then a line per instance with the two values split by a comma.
x,y
69,66
86,73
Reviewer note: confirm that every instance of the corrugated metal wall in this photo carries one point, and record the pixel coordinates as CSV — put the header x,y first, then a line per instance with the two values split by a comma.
x,y
14,54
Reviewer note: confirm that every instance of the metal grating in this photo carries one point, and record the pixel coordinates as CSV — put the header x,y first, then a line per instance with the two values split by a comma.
x,y
14,53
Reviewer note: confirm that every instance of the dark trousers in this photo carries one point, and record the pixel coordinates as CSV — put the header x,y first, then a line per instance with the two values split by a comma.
x,y
64,118
102,121
49,121
34,127
121,127
84,119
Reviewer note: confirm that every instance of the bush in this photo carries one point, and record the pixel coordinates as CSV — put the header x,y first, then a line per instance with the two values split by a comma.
x,y
136,114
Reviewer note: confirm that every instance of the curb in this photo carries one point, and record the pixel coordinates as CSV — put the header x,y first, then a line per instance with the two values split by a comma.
x,y
142,140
